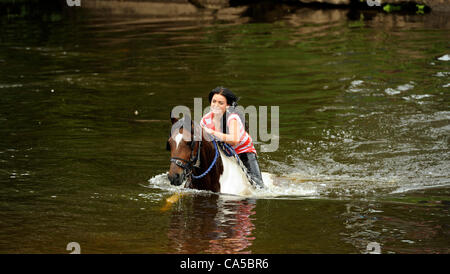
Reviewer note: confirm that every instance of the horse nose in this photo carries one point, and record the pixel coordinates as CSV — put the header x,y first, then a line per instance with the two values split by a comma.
x,y
176,179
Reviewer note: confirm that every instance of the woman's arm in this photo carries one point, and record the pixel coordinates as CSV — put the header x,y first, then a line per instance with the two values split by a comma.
x,y
232,138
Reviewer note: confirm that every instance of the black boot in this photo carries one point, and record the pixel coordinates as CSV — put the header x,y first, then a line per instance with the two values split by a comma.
x,y
251,163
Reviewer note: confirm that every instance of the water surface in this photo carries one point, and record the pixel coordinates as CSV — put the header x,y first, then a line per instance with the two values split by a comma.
x,y
363,148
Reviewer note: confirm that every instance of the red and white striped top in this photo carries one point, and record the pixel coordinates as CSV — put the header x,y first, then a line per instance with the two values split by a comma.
x,y
245,141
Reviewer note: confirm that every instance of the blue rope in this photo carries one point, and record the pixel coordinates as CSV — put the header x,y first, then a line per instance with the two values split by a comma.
x,y
229,150
212,164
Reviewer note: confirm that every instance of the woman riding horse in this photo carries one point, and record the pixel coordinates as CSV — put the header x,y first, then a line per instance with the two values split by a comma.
x,y
223,102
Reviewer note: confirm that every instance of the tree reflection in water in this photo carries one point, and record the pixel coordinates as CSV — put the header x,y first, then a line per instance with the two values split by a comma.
x,y
211,224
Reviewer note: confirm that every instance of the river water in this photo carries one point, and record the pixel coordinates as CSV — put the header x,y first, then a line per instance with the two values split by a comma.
x,y
363,149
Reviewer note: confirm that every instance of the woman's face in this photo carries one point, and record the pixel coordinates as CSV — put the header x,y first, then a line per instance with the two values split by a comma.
x,y
218,104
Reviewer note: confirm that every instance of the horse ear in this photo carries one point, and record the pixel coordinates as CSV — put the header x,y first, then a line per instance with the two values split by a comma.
x,y
196,130
174,119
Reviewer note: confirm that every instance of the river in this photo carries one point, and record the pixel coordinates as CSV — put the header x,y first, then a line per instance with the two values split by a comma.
x,y
364,126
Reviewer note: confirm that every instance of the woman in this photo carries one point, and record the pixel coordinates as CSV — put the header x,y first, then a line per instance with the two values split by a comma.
x,y
221,99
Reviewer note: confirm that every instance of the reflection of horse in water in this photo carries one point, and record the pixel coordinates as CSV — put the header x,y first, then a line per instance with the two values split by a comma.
x,y
198,159
211,224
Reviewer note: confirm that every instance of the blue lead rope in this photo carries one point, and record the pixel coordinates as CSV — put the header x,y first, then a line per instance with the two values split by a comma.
x,y
212,164
227,149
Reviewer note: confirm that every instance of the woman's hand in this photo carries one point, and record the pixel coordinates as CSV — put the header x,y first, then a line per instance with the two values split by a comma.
x,y
231,138
208,130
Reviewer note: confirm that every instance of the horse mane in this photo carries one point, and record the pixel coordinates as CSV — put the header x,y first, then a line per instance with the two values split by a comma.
x,y
207,154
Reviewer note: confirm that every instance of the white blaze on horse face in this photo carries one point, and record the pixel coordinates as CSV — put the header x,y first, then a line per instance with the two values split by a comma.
x,y
178,139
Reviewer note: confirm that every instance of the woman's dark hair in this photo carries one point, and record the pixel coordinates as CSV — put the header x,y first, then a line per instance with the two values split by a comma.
x,y
228,94
231,101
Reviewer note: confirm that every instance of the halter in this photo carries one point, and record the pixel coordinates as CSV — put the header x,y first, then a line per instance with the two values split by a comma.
x,y
194,161
226,148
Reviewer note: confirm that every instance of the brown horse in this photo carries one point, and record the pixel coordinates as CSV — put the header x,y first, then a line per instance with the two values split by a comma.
x,y
198,159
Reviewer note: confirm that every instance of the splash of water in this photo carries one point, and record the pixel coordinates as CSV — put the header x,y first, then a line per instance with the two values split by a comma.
x,y
275,187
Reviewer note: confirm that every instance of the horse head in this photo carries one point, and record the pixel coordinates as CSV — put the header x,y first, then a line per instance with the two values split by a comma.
x,y
184,149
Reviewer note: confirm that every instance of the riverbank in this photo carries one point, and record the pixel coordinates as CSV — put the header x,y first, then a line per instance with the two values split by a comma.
x,y
264,11
173,8
363,149
436,5
359,14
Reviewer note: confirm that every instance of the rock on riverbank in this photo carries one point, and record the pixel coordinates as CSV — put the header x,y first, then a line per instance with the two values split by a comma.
x,y
178,5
